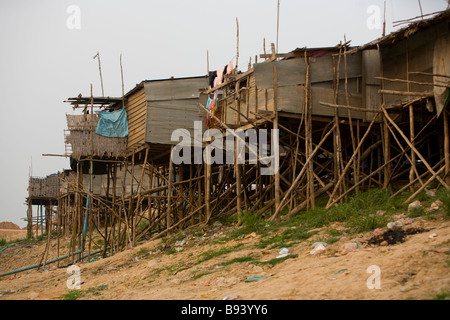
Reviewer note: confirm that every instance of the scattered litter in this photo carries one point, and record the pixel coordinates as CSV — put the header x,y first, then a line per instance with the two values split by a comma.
x,y
431,236
380,213
349,247
228,297
251,235
414,205
435,205
79,283
318,248
102,287
180,243
255,278
396,225
319,242
340,271
409,289
430,193
377,231
283,253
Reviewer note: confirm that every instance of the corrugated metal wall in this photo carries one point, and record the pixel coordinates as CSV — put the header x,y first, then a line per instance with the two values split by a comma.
x,y
172,104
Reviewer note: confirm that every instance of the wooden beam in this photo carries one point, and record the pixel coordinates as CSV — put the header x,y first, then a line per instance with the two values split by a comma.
x,y
407,93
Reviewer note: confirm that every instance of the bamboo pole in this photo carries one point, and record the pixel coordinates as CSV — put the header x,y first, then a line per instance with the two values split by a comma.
x,y
237,45
337,146
433,176
349,114
275,127
341,177
207,167
169,191
294,183
446,147
424,161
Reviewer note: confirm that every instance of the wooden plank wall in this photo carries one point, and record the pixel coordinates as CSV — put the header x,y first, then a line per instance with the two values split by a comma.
x,y
370,84
413,54
136,108
291,80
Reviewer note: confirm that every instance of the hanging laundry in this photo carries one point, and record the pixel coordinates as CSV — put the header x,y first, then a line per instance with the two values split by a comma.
x,y
220,76
212,77
230,67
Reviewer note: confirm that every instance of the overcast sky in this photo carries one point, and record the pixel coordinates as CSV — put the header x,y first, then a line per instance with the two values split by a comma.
x,y
47,50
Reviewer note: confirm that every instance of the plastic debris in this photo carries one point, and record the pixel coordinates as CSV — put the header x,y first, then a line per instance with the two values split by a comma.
x,y
255,278
340,271
283,253
377,231
433,235
319,242
430,193
380,213
318,248
396,225
435,205
251,235
414,205
349,247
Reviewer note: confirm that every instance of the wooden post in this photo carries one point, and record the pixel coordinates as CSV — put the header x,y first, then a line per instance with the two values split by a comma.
x,y
237,45
169,191
238,181
121,74
355,175
337,134
208,182
386,153
446,147
308,137
275,127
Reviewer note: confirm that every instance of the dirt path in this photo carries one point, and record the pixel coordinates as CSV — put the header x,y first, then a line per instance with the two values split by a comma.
x,y
418,268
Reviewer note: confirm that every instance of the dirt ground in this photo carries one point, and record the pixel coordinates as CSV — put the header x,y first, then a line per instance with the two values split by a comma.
x,y
418,268
12,234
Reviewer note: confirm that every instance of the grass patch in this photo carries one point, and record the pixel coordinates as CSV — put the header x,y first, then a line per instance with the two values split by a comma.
x,y
276,261
363,212
285,239
72,295
3,241
251,222
76,294
142,252
238,260
416,212
445,295
201,274
444,196
210,254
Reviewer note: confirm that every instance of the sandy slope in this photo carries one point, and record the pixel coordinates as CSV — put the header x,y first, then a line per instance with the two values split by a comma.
x,y
417,268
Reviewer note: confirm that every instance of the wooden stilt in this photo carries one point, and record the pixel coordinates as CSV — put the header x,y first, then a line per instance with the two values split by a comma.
x,y
169,191
445,119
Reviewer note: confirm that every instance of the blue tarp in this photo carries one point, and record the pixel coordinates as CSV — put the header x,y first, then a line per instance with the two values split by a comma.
x,y
113,124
